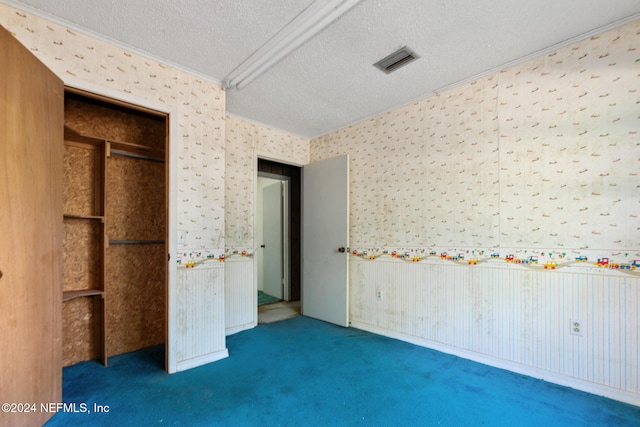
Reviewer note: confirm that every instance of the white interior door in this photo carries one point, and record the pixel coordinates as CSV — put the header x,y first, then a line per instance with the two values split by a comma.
x,y
325,238
272,232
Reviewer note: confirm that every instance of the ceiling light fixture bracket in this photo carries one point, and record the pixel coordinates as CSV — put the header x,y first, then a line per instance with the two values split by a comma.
x,y
307,24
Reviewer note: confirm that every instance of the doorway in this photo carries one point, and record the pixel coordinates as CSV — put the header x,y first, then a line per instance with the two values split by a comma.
x,y
326,229
278,240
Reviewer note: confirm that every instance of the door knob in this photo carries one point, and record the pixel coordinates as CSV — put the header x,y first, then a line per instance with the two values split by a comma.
x,y
263,246
341,249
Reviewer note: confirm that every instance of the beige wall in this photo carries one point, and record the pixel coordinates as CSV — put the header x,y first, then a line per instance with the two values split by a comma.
x,y
197,146
199,106
541,157
215,155
246,141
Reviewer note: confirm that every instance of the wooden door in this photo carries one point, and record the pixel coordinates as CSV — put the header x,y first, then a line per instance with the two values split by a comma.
x,y
325,237
31,147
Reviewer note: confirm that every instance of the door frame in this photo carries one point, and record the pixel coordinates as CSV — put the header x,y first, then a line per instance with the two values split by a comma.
x,y
256,245
171,198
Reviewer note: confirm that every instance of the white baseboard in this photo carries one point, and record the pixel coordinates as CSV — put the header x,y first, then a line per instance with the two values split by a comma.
x,y
239,328
202,360
552,377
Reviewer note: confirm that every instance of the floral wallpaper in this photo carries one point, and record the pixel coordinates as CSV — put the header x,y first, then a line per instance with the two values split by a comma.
x,y
245,142
200,107
539,160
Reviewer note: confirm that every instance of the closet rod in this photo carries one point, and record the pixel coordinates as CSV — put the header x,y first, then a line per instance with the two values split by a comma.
x,y
136,242
136,156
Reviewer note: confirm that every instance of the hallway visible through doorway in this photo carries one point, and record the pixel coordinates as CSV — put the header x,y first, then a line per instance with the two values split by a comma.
x,y
270,313
272,234
291,209
278,241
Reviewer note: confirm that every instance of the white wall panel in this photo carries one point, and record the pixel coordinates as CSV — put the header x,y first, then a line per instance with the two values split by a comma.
x,y
511,316
240,296
199,332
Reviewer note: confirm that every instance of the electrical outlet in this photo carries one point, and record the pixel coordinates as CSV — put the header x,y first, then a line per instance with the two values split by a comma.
x,y
182,237
379,294
577,327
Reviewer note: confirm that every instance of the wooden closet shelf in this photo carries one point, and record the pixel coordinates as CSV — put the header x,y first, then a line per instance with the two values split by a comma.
x,y
104,179
117,147
93,217
141,151
136,242
74,138
67,295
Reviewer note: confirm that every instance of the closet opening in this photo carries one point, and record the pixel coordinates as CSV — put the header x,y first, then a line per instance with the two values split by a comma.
x,y
115,229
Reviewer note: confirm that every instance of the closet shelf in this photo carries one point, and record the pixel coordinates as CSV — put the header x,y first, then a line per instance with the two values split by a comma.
x,y
136,242
74,138
116,147
68,295
135,150
93,217
115,182
86,194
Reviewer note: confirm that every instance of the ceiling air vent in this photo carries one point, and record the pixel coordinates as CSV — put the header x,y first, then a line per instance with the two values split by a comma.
x,y
396,60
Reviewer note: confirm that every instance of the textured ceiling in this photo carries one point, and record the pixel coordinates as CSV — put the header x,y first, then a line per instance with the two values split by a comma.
x,y
329,82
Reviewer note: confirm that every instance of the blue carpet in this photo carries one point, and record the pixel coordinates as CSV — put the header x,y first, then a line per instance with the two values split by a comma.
x,y
302,372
